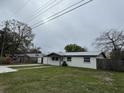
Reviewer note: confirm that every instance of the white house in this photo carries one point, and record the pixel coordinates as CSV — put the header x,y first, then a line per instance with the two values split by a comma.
x,y
74,59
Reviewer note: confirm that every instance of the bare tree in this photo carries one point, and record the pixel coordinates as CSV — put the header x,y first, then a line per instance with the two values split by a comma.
x,y
111,40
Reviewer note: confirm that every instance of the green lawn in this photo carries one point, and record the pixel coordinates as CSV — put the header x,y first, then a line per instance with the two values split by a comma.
x,y
62,80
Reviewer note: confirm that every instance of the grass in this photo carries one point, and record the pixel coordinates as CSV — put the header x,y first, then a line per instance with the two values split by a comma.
x,y
62,80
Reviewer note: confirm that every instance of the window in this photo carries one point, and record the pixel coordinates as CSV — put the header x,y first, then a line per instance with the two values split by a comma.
x,y
55,58
86,59
52,58
68,58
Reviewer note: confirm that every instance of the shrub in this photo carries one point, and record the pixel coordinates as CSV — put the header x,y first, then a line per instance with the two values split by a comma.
x,y
64,64
2,60
7,60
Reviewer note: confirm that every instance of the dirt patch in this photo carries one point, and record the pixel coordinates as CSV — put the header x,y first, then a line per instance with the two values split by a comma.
x,y
106,78
2,88
1,91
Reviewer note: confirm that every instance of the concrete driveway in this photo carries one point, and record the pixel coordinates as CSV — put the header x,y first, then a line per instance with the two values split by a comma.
x,y
5,69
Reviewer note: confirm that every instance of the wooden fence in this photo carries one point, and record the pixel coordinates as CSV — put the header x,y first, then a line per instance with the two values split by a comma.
x,y
108,64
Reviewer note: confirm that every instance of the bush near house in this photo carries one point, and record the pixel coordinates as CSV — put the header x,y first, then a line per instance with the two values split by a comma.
x,y
5,60
8,60
2,60
64,64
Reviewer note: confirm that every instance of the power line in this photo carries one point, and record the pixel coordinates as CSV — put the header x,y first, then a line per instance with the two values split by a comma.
x,y
63,14
41,13
61,11
46,4
45,10
42,7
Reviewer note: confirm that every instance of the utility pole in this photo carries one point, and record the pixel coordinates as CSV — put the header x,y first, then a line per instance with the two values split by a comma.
x,y
4,36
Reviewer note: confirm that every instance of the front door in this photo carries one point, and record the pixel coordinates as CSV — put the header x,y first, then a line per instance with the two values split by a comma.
x,y
42,60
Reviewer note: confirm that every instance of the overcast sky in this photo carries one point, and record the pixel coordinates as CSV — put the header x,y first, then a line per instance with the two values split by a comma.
x,y
81,26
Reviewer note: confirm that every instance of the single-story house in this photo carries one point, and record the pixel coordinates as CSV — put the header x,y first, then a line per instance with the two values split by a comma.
x,y
74,59
28,58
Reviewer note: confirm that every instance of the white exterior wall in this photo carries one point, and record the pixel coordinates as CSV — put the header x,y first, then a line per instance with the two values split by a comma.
x,y
79,62
75,62
45,60
48,60
39,60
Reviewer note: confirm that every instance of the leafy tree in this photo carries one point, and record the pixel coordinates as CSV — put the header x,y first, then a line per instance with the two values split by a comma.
x,y
35,50
74,48
15,37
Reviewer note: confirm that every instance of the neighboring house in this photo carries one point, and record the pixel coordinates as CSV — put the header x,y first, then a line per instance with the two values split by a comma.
x,y
28,58
37,57
74,59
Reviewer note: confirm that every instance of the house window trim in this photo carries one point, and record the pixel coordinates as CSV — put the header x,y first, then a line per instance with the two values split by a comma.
x,y
69,59
55,58
87,59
